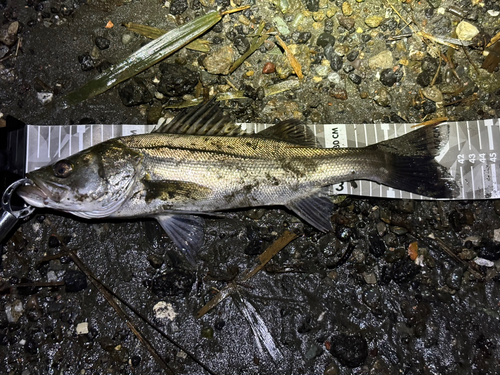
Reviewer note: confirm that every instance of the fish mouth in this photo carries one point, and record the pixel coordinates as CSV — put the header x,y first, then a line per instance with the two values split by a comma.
x,y
33,195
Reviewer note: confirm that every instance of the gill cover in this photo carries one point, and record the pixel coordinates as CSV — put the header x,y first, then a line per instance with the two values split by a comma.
x,y
93,183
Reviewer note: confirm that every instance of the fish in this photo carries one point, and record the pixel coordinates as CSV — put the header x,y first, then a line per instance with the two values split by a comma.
x,y
202,164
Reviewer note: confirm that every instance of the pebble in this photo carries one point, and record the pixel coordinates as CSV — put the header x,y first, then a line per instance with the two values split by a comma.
x,y
313,352
370,277
134,92
207,332
173,283
466,30
353,55
350,350
82,328
241,43
45,97
490,251
176,80
325,39
164,310
312,5
155,261
433,93
377,245
102,43
387,77
331,369
14,311
374,21
4,50
496,235
301,37
74,281
220,61
322,70
127,37
429,107
382,97
454,278
346,22
86,62
135,361
371,298
338,93
356,79
178,7
346,8
8,34
382,60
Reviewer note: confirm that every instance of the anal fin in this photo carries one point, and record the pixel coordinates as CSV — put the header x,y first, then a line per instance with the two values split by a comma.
x,y
315,210
186,231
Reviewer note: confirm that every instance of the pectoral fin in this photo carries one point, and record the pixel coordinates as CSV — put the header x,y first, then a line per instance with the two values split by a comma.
x,y
186,231
315,210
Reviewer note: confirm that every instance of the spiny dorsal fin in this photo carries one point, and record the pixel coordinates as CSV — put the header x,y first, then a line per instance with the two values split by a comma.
x,y
204,119
292,131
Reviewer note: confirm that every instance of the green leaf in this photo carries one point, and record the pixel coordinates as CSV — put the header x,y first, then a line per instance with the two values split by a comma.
x,y
143,58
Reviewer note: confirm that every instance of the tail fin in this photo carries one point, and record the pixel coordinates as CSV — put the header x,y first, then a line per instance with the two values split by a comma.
x,y
411,165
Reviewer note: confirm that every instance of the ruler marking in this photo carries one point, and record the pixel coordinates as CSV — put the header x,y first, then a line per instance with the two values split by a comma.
x,y
472,182
489,126
484,185
479,135
468,136
71,126
48,144
91,135
59,148
38,144
356,136
27,148
462,179
458,136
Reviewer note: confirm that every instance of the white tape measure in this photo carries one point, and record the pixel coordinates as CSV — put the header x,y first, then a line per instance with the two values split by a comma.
x,y
470,156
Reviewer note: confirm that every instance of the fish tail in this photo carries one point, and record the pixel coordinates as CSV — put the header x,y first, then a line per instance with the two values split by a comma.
x,y
411,165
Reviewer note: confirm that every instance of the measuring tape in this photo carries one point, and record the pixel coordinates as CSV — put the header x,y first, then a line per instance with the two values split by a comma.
x,y
470,155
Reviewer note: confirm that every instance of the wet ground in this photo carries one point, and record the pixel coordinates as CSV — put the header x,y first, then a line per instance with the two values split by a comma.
x,y
352,301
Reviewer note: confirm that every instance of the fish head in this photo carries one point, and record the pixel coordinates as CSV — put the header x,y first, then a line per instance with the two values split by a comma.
x,y
93,183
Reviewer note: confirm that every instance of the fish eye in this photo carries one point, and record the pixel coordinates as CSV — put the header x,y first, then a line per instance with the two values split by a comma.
x,y
63,168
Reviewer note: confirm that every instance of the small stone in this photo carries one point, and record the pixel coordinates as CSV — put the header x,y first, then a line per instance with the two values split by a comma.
x,y
377,245
313,352
4,50
370,277
331,369
338,93
483,262
433,93
346,22
429,107
176,80
322,70
164,310
134,92
344,234
102,43
383,60
490,251
496,235
312,5
45,97
241,43
353,55
8,34
207,333
356,79
178,7
387,77
371,298
454,278
374,21
383,98
301,37
82,328
220,61
381,228
135,361
173,283
350,350
466,31
155,261
86,62
74,281
325,39
14,311
127,37
346,8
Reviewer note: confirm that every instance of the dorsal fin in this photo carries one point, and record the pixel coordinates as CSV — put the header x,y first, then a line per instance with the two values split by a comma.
x,y
292,131
204,119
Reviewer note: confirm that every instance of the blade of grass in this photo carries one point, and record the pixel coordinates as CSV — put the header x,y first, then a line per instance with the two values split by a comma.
x,y
154,33
146,56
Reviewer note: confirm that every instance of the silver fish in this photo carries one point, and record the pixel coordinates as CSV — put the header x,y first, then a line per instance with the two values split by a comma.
x,y
201,164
